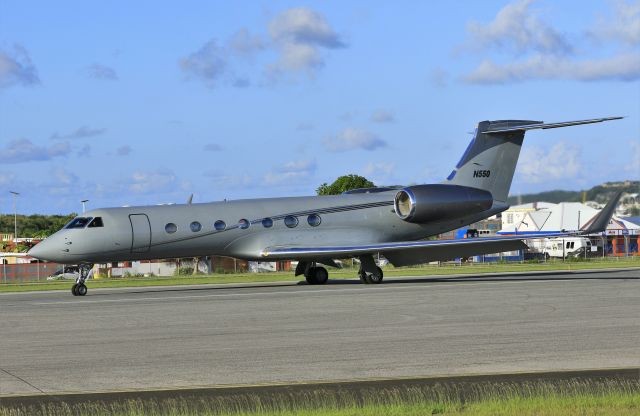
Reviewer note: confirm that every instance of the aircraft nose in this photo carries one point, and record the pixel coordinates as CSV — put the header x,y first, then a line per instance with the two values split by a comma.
x,y
45,250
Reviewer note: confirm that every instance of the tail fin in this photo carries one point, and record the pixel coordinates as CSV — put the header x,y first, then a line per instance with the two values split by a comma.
x,y
490,160
601,220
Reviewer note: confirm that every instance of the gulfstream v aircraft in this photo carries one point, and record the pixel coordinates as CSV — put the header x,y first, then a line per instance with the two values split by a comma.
x,y
316,230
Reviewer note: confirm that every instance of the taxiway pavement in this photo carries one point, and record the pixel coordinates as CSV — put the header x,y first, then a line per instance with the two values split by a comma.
x,y
141,338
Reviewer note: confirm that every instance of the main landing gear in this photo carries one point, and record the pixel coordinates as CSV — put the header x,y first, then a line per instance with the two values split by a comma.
x,y
314,275
79,288
369,272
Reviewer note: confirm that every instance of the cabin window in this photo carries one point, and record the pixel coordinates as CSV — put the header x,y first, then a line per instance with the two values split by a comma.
x,y
96,222
291,221
244,224
220,225
171,228
267,223
195,226
314,220
78,222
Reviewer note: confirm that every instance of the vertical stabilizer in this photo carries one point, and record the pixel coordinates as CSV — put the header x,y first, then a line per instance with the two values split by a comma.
x,y
490,159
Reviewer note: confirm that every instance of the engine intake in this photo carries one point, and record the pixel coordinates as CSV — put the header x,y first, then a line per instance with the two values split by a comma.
x,y
438,202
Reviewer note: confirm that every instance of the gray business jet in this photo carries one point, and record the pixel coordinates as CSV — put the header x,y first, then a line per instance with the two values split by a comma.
x,y
316,230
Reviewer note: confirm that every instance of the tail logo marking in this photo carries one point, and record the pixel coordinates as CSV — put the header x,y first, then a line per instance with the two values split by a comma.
x,y
481,173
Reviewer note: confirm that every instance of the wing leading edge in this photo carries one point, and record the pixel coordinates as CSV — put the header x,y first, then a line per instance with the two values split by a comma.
x,y
406,253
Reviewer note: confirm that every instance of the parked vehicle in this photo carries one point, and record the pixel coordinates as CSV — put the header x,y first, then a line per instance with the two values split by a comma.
x,y
567,247
68,273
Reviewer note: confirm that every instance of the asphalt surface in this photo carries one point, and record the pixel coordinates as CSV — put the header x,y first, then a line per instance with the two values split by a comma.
x,y
188,337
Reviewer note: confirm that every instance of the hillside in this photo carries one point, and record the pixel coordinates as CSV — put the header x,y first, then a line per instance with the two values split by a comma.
x,y
600,193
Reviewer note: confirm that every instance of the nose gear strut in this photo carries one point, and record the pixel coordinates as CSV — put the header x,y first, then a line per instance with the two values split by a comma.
x,y
79,288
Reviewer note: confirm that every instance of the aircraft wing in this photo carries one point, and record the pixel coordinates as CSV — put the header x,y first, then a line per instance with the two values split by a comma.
x,y
407,253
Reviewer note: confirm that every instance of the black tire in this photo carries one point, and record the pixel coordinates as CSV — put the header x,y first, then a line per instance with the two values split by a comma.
x,y
321,275
74,289
310,276
364,277
81,289
376,278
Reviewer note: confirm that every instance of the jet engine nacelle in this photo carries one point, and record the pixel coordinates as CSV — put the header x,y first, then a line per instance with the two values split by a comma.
x,y
438,202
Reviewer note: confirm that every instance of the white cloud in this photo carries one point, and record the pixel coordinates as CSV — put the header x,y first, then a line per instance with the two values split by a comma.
x,y
562,161
16,68
99,71
624,26
207,64
634,164
291,172
379,171
63,182
353,138
160,180
84,151
439,77
225,180
245,44
542,52
299,34
23,150
80,133
517,27
123,150
7,178
382,116
624,67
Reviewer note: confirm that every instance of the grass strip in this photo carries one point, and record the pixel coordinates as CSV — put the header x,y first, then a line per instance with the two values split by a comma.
x,y
346,273
569,397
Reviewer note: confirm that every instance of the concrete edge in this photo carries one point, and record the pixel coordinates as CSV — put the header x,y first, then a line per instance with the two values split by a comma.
x,y
477,276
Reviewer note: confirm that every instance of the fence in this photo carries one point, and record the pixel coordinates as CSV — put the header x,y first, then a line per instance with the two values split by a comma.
x,y
27,272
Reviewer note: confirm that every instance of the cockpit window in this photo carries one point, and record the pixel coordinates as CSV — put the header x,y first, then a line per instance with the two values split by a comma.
x,y
97,222
78,222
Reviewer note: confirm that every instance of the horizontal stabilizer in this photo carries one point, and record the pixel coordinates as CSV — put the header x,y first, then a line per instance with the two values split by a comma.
x,y
509,127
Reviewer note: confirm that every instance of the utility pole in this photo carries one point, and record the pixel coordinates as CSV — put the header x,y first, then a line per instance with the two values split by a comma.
x,y
15,217
83,202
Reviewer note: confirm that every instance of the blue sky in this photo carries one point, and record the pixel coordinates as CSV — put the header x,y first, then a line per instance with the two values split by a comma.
x,y
127,103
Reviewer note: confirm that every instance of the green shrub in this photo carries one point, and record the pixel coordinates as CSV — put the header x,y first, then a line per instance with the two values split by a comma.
x,y
183,271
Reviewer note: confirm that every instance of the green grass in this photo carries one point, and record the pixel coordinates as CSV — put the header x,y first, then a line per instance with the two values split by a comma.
x,y
611,397
347,273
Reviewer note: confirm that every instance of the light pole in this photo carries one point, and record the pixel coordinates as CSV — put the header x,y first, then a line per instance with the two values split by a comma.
x,y
15,217
83,206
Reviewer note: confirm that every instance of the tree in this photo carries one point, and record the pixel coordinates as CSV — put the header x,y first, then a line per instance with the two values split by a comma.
x,y
343,184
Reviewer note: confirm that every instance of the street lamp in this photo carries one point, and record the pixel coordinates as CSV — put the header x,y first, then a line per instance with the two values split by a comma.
x,y
15,217
83,202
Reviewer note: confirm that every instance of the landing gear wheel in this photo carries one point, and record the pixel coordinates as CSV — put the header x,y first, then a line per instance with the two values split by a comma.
x,y
371,278
377,276
317,276
81,289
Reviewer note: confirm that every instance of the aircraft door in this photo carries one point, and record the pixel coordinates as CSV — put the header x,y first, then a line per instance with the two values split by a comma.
x,y
141,233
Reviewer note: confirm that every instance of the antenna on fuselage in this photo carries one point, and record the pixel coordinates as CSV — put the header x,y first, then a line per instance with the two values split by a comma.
x,y
190,200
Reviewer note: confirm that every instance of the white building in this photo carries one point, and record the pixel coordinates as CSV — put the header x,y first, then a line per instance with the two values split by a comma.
x,y
543,217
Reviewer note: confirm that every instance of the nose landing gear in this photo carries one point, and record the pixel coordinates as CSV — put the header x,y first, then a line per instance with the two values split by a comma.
x,y
79,288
